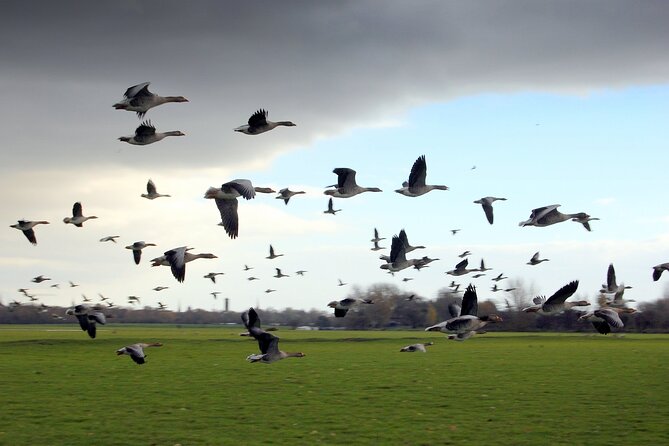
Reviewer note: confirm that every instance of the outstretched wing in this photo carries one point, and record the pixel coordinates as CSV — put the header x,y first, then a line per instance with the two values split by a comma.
x,y
229,217
469,302
418,173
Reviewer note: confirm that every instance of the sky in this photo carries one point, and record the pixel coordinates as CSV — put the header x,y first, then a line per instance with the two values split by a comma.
x,y
562,102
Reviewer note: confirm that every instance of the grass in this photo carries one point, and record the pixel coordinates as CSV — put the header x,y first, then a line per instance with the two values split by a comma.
x,y
61,388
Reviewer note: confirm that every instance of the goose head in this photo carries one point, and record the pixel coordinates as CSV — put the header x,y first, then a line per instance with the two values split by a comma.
x,y
333,304
286,123
492,318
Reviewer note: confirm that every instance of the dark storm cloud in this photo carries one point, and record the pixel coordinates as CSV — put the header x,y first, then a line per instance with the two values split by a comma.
x,y
325,65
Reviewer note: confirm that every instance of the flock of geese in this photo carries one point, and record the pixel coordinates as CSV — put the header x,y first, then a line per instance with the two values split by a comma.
x,y
464,321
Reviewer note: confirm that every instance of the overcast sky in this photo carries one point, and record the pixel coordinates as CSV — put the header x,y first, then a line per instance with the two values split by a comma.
x,y
554,102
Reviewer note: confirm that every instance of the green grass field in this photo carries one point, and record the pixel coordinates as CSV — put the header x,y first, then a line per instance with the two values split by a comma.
x,y
58,387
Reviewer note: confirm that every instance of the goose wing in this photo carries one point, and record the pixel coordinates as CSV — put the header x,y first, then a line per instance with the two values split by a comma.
x,y
229,217
137,255
138,90
454,310
403,237
469,302
136,352
611,278
345,177
151,188
418,173
560,295
397,250
487,209
267,342
462,265
30,235
243,187
258,119
175,257
76,210
610,316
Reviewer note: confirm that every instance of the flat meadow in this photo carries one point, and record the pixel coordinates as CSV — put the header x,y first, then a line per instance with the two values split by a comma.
x,y
58,387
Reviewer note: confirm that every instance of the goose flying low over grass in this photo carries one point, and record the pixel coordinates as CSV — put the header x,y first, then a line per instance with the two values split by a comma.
x,y
416,186
146,134
331,209
137,250
557,302
88,319
341,307
285,194
611,285
549,215
486,204
659,269
27,226
139,99
535,260
258,123
177,258
77,218
136,351
346,186
416,347
226,201
267,342
605,318
152,192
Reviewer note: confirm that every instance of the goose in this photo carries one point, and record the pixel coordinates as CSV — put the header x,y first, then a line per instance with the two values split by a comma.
x,y
161,306
658,270
486,204
88,319
494,288
423,262
279,274
271,253
212,276
269,290
55,285
177,258
500,277
341,307
407,247
136,351
247,268
152,192
454,231
464,254
557,302
77,218
376,236
300,272
72,284
24,291
133,299
33,298
331,209
508,290
264,190
397,260
476,276
285,194
137,250
416,186
465,320
376,247
406,279
139,99
40,279
483,267
461,269
258,124
605,318
27,226
267,342
110,238
215,294
346,186
102,298
611,286
84,298
160,288
252,278
226,201
549,215
146,134
416,347
535,260
341,283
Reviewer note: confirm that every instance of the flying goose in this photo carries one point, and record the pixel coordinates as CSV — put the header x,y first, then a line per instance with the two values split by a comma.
x,y
300,272
486,204
416,347
152,192
341,283
611,286
271,253
136,351
72,284
247,268
269,290
461,269
258,123
285,194
341,307
500,277
279,274
160,288
137,250
40,279
416,186
464,254
549,215
659,269
454,231
133,299
267,342
406,279
397,260
557,302
407,246
605,318
88,319
84,298
146,134
177,258
376,238
483,267
346,186
27,226
139,99
212,276
109,238
535,260
465,320
377,247
161,306
331,209
252,278
226,201
77,218
423,262
215,294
